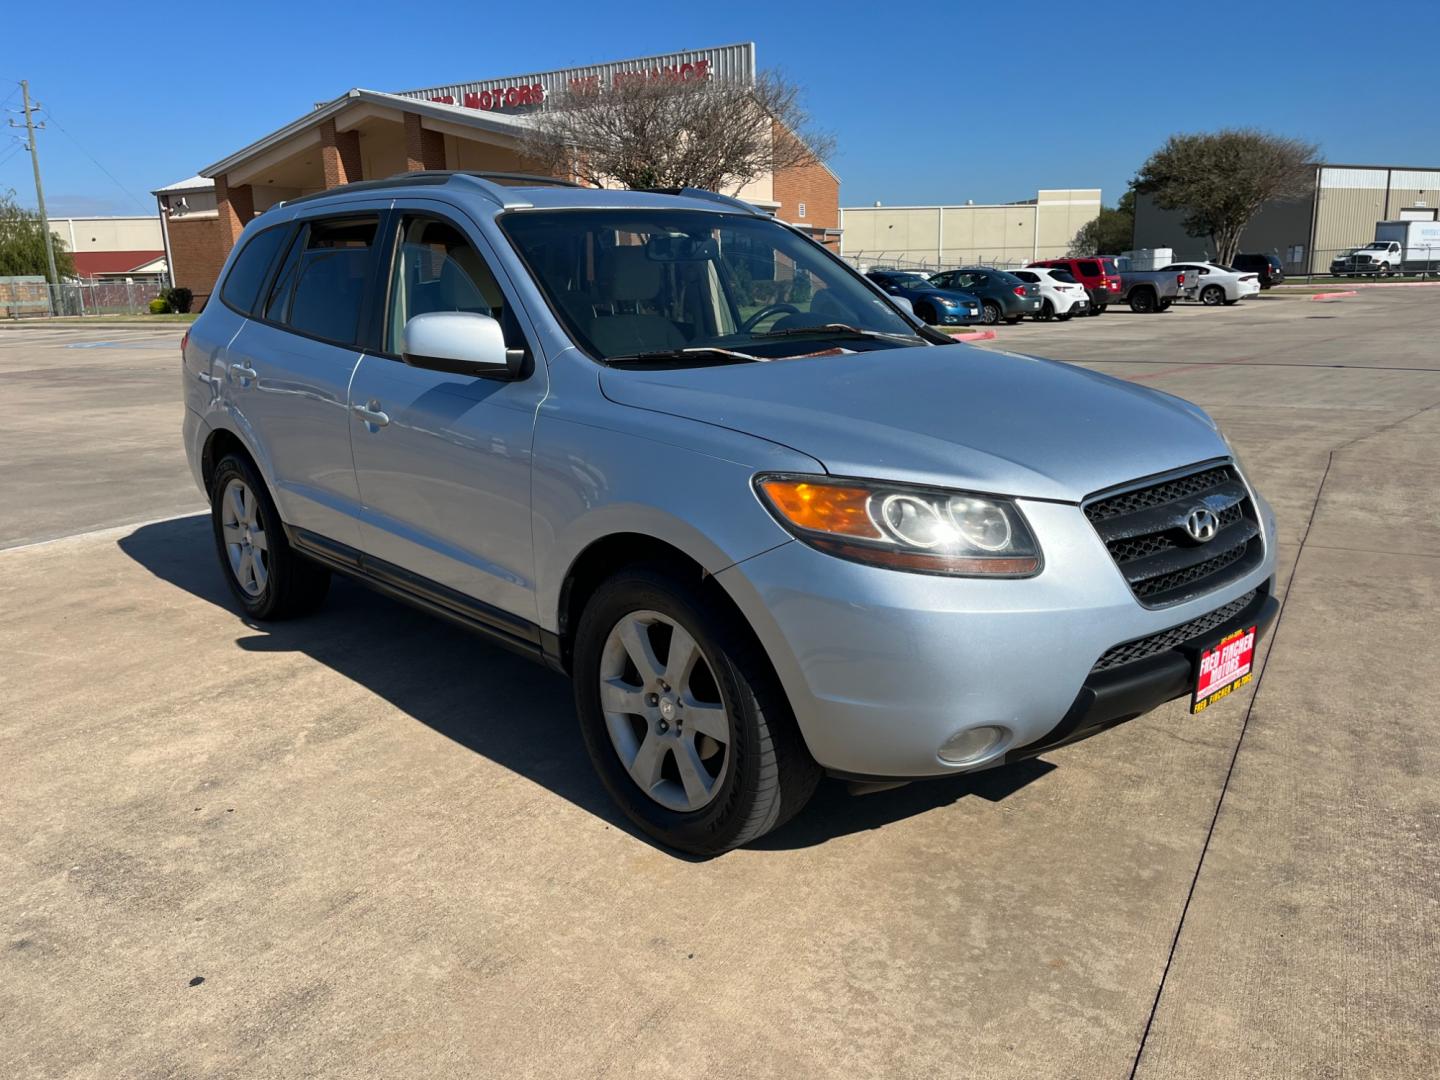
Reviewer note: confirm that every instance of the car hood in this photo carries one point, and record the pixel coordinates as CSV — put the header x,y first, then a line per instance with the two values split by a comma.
x,y
952,416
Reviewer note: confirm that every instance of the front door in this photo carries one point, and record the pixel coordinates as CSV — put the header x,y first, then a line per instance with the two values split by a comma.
x,y
443,461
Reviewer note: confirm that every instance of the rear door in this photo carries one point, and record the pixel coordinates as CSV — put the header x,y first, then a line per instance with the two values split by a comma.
x,y
443,461
288,370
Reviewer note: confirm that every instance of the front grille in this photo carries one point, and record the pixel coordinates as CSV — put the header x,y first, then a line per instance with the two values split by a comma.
x,y
1144,530
1176,635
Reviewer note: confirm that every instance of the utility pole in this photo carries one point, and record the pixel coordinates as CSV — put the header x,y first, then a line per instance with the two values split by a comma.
x,y
30,128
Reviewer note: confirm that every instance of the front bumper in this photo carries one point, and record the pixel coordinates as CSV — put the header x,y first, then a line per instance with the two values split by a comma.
x,y
882,667
1112,697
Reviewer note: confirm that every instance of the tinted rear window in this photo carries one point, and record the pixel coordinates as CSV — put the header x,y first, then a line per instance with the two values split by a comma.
x,y
330,279
1089,267
251,266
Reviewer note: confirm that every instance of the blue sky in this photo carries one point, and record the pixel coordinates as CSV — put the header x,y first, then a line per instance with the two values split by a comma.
x,y
930,102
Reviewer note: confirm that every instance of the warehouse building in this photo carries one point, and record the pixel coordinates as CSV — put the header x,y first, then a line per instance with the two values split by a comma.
x,y
1339,212
1003,234
370,134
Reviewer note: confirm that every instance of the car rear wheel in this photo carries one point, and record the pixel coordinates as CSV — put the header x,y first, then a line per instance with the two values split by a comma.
x,y
1212,295
926,314
683,718
269,578
1142,301
991,313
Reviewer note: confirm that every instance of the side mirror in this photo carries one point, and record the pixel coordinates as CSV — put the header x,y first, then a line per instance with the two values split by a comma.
x,y
460,343
903,302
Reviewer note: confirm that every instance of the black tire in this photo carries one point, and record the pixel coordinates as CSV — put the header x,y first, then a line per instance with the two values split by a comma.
x,y
1066,317
1142,301
770,775
926,314
1212,296
990,313
294,585
1046,312
1096,310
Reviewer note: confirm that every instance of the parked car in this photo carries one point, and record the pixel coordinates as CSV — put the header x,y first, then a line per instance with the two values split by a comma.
x,y
1096,273
1213,285
763,542
1266,267
1150,291
1002,295
1061,296
932,305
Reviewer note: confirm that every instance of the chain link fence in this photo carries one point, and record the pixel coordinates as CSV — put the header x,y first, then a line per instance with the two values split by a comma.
x,y
865,261
1357,263
22,297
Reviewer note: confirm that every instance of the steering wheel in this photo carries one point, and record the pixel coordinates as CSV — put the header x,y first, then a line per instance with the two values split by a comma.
x,y
765,312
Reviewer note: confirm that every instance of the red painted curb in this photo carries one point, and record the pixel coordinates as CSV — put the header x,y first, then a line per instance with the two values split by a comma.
x,y
978,335
1333,295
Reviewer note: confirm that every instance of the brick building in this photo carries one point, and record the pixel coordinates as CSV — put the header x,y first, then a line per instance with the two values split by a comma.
x,y
368,134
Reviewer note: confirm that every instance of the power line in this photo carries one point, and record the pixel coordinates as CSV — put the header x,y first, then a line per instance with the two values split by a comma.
x,y
138,201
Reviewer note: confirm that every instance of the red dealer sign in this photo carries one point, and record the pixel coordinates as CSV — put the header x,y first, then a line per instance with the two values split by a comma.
x,y
514,97
519,93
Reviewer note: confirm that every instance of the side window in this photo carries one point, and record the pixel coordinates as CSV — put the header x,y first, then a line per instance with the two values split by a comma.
x,y
249,270
438,269
1090,268
330,278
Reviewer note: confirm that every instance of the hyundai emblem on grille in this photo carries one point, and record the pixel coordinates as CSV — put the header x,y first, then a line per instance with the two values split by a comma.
x,y
1202,524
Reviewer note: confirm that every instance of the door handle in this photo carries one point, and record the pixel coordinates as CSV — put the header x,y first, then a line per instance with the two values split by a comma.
x,y
243,372
371,414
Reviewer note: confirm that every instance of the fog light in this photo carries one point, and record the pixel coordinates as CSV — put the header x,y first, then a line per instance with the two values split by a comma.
x,y
972,744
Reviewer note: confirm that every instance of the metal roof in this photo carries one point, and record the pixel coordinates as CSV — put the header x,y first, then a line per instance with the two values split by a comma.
x,y
194,183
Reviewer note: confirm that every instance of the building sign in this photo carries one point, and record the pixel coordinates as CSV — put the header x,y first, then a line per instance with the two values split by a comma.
x,y
523,93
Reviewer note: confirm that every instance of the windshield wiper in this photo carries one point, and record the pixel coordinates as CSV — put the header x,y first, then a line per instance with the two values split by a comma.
x,y
836,329
702,352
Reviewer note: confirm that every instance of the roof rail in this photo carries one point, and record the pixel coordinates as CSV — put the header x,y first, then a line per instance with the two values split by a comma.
x,y
711,196
487,182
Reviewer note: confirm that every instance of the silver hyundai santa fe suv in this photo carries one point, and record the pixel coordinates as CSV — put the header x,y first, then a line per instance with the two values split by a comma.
x,y
769,524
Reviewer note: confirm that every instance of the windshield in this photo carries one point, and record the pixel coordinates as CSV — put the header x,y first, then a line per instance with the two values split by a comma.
x,y
696,286
1378,245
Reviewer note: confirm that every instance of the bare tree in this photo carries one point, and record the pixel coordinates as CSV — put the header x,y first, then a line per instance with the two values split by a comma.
x,y
641,132
1222,179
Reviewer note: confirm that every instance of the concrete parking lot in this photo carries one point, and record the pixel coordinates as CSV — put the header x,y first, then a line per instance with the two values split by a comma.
x,y
366,844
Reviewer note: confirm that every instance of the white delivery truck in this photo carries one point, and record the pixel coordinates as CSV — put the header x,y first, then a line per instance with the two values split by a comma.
x,y
1399,247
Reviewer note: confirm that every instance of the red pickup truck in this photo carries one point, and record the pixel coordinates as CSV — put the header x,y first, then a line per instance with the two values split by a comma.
x,y
1097,273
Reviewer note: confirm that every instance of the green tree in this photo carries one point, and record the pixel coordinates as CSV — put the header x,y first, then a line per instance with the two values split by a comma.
x,y
22,242
1222,179
1111,232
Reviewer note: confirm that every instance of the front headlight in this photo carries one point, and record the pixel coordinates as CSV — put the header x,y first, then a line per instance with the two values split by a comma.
x,y
906,528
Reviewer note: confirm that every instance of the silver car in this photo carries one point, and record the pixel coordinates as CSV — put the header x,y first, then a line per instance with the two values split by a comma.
x,y
770,525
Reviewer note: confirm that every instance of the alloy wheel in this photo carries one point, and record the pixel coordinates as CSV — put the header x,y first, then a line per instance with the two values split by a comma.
x,y
663,711
246,544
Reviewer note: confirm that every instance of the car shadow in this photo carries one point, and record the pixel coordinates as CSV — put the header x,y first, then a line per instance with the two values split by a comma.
x,y
472,692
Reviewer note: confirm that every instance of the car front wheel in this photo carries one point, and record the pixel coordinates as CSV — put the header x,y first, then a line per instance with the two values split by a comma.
x,y
683,718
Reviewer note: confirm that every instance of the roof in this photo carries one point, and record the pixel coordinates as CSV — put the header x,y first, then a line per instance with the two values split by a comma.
x,y
496,123
520,196
193,183
90,263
